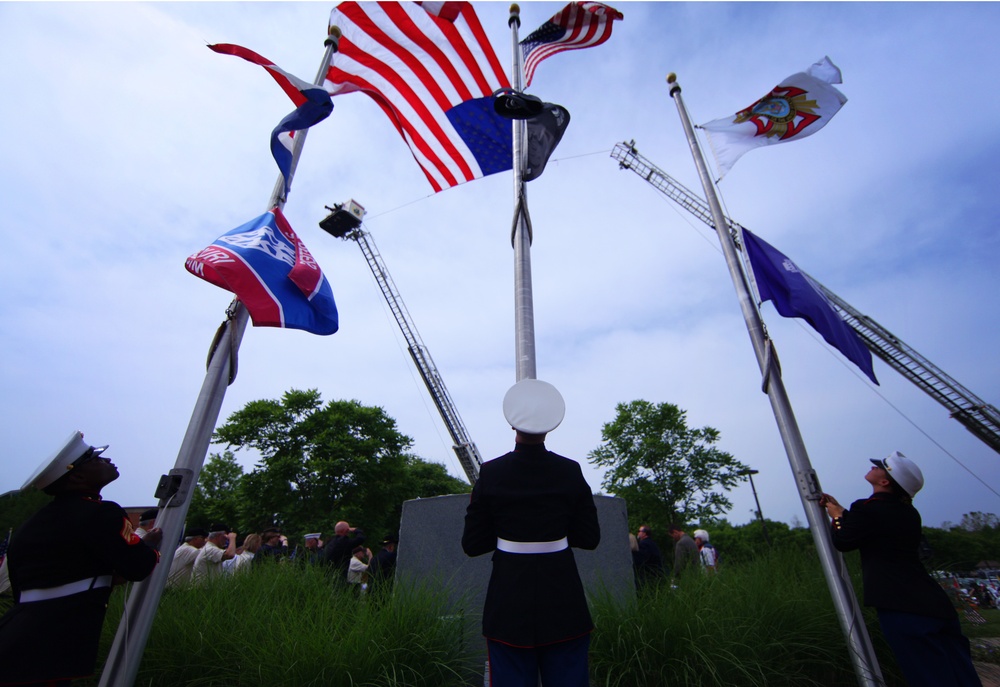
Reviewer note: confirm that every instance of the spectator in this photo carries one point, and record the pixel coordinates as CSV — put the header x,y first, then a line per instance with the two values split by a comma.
x,y
146,521
357,568
382,569
647,562
705,550
313,554
274,547
62,563
220,546
184,557
244,558
340,549
685,550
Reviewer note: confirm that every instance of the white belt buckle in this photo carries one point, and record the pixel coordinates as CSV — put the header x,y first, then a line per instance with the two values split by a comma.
x,y
68,589
508,546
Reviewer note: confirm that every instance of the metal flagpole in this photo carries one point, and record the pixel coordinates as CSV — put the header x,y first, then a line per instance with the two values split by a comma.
x,y
866,666
175,489
524,313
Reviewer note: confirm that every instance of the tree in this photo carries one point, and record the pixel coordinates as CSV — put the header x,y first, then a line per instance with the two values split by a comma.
x,y
321,463
218,496
665,471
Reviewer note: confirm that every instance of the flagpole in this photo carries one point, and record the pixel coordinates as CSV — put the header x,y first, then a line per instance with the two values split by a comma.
x,y
524,313
866,667
175,490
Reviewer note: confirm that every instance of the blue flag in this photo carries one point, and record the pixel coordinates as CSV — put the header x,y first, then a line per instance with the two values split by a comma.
x,y
794,295
272,272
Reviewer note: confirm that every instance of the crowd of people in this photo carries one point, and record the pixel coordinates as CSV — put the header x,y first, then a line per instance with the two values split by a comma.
x,y
647,561
217,551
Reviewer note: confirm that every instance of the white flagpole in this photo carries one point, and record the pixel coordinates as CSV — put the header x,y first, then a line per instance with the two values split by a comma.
x,y
866,667
524,313
176,489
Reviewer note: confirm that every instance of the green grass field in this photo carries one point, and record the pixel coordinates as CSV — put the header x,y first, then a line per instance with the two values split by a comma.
x,y
766,623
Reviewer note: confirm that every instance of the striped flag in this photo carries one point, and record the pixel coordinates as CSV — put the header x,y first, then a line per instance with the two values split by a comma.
x,y
312,105
576,26
432,70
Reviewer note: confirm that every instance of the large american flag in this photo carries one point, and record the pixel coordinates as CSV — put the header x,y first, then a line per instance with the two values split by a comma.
x,y
432,70
577,25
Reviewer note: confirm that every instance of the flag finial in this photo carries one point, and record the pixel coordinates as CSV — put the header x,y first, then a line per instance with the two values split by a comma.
x,y
333,36
515,14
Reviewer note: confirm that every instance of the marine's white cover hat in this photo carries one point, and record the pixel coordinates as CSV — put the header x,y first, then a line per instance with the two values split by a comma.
x,y
533,406
903,471
61,461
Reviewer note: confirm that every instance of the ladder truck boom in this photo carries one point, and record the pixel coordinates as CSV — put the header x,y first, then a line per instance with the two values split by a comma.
x,y
979,417
344,222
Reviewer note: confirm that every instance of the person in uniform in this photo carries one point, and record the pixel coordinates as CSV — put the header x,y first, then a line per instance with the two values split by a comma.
x,y
529,507
182,566
382,569
917,619
63,561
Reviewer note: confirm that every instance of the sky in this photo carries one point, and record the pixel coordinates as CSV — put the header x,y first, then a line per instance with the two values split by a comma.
x,y
131,146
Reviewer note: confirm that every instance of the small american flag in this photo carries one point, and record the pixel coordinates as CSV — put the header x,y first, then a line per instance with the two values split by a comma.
x,y
576,26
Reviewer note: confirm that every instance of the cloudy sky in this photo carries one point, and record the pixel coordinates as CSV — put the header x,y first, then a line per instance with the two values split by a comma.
x,y
131,146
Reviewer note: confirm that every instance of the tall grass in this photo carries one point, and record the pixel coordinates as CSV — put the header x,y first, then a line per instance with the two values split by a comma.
x,y
293,626
769,623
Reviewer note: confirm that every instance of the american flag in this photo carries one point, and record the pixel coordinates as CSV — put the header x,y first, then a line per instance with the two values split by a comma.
x,y
576,26
432,70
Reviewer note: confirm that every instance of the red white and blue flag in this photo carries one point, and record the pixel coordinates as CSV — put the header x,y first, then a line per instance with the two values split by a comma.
x,y
272,272
576,26
432,70
312,105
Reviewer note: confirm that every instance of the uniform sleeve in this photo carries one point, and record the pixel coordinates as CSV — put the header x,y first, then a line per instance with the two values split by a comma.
x,y
118,544
480,535
584,528
851,529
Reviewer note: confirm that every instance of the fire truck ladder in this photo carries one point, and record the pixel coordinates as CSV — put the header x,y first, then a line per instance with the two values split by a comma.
x,y
979,417
344,222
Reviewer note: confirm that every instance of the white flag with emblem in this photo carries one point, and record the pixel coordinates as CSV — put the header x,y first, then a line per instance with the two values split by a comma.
x,y
798,107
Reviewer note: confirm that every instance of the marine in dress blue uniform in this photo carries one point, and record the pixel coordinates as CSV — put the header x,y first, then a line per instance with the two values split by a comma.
x,y
917,619
530,507
63,561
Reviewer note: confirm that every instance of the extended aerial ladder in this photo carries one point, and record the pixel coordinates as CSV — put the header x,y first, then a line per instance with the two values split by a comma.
x,y
344,222
979,417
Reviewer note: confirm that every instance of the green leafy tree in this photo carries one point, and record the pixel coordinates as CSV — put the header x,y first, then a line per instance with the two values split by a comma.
x,y
218,496
665,470
320,463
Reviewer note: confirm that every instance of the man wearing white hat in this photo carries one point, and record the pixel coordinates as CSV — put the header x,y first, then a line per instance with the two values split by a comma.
x,y
61,592
917,618
529,507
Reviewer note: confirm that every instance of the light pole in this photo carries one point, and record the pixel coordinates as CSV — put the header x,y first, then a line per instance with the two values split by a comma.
x,y
760,516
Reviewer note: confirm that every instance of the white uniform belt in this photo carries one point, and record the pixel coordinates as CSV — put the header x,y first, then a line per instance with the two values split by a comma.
x,y
532,546
65,589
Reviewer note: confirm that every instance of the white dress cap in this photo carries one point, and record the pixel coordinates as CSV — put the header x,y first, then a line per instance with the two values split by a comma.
x,y
905,472
533,407
60,462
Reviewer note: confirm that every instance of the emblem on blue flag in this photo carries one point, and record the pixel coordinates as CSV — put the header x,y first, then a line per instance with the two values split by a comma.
x,y
272,272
